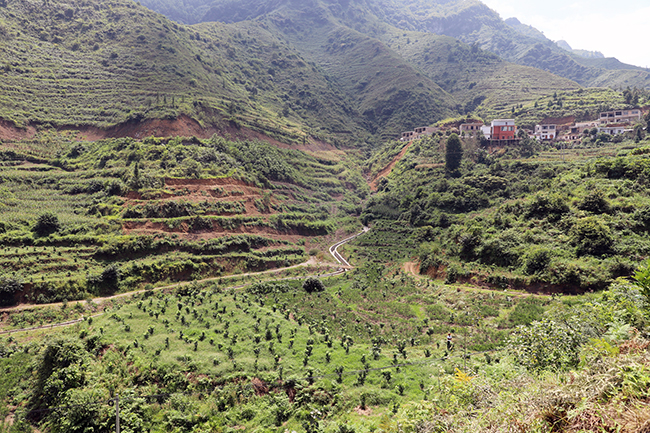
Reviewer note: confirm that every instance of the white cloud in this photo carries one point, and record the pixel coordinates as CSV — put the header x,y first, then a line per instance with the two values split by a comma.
x,y
617,30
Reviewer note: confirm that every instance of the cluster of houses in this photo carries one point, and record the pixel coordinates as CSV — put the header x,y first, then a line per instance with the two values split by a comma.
x,y
504,131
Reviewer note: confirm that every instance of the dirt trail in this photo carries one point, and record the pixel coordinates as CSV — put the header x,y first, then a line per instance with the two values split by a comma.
x,y
386,170
311,262
412,268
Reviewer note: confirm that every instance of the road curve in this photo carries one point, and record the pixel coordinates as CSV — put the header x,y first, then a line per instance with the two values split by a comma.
x,y
333,251
334,248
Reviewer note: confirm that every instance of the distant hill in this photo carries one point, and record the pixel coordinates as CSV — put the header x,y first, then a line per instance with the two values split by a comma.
x,y
329,71
581,53
107,63
470,21
473,22
394,51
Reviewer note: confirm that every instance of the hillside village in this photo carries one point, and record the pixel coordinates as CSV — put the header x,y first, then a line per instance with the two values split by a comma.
x,y
564,129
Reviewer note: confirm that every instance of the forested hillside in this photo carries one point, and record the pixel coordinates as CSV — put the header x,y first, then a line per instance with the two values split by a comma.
x,y
83,64
557,222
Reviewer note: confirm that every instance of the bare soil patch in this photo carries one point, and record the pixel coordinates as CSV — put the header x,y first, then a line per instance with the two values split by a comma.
x,y
8,131
386,170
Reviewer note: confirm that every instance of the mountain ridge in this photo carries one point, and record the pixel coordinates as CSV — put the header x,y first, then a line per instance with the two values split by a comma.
x,y
470,21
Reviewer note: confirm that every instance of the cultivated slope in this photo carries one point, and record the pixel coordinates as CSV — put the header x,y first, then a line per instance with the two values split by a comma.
x,y
106,63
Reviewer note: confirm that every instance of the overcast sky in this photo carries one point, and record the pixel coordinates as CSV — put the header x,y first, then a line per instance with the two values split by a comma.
x,y
616,28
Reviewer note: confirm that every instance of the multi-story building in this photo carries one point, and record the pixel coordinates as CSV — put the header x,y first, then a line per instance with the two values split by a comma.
x,y
615,129
418,132
621,116
546,132
470,129
503,129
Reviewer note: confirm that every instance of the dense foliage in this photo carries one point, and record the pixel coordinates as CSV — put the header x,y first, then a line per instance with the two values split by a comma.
x,y
576,225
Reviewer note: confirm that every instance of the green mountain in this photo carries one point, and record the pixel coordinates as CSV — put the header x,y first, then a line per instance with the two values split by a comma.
x,y
102,64
298,72
344,72
469,21
325,31
473,22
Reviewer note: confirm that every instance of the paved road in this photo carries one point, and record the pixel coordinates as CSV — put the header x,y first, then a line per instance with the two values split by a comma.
x,y
333,250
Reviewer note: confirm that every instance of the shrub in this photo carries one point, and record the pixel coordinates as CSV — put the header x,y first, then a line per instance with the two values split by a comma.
x,y
108,280
594,202
313,284
552,206
546,344
591,237
46,224
537,261
8,287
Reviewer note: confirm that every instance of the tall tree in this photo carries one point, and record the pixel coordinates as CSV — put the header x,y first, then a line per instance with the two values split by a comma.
x,y
454,153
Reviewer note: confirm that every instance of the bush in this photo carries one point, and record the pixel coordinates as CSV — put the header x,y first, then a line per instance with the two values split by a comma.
x,y
312,285
594,202
552,206
108,280
537,261
8,287
546,344
591,237
46,224
268,287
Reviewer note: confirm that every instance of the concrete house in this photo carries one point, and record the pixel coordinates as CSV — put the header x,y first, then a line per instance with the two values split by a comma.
x,y
470,129
621,116
418,132
546,132
615,129
503,130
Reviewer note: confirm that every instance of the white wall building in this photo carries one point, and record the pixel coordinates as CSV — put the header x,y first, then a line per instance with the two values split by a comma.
x,y
546,132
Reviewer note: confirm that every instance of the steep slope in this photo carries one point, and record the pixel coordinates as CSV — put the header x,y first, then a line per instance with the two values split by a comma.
x,y
389,92
473,22
106,63
478,80
325,31
470,21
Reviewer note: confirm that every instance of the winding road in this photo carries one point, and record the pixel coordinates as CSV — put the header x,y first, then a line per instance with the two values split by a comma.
x,y
333,251
334,248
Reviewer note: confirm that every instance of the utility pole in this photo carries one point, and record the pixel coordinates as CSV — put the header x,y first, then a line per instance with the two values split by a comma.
x,y
117,413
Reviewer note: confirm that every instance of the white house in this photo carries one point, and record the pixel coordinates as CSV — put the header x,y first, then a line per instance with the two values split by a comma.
x,y
487,131
546,132
614,129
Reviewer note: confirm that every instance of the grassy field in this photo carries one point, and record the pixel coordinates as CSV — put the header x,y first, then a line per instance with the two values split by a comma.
x,y
369,340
